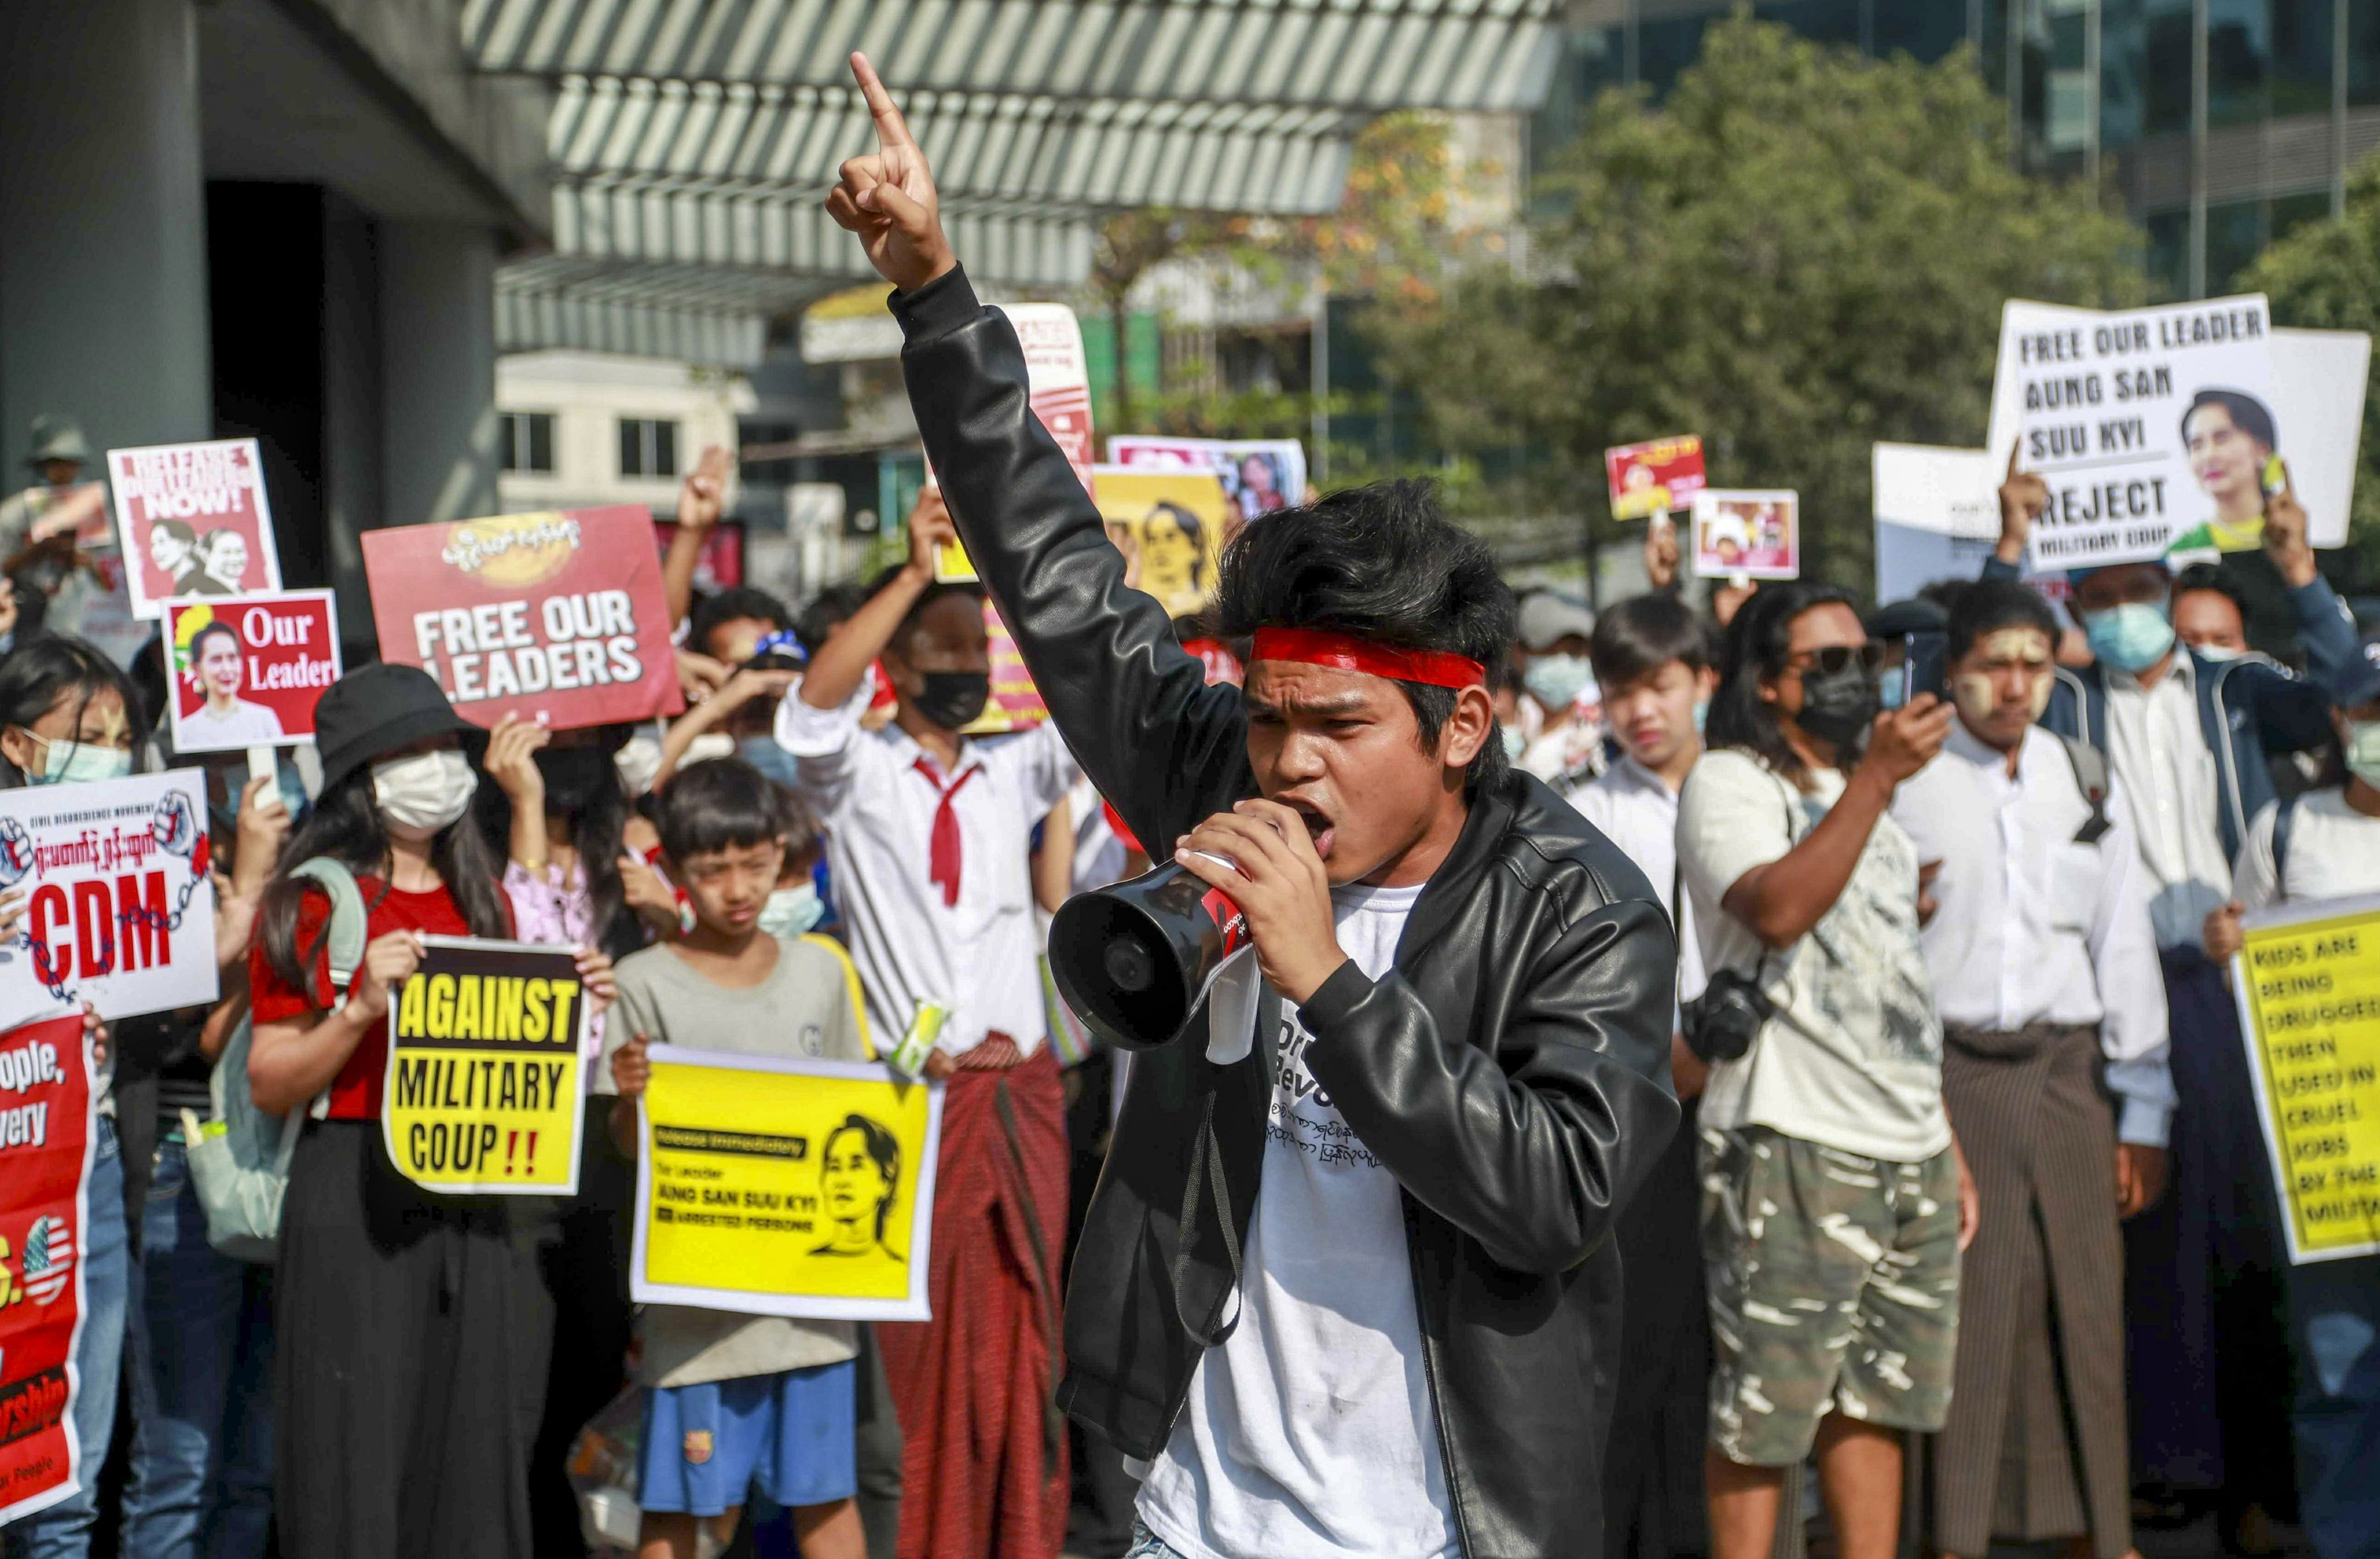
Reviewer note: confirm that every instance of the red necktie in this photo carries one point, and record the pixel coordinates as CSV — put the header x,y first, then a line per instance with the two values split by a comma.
x,y
943,863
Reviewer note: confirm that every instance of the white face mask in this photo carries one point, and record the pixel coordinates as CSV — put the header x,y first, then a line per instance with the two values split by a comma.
x,y
792,911
421,794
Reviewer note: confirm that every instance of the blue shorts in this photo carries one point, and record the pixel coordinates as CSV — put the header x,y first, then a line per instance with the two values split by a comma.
x,y
789,1434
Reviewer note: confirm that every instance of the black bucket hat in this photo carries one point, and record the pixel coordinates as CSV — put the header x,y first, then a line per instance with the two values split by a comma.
x,y
377,710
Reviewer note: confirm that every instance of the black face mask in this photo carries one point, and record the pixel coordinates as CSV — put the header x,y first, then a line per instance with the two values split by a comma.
x,y
574,777
953,699
1841,708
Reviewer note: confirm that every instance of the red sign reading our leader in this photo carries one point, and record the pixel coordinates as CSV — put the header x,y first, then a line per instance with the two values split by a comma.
x,y
45,1143
249,669
560,613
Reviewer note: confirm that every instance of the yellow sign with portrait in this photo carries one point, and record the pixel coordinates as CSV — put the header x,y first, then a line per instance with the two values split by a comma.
x,y
791,1188
1171,525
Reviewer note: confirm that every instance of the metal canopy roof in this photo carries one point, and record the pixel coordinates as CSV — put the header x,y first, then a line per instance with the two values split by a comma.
x,y
695,138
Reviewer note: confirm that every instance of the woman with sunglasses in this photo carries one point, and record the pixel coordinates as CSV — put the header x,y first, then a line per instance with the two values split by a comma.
x,y
1834,1205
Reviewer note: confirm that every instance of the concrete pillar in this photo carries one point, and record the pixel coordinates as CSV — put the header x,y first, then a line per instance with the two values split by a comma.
x,y
103,244
438,389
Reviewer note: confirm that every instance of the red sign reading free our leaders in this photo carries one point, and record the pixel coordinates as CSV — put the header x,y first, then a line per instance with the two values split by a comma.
x,y
45,1147
249,669
560,613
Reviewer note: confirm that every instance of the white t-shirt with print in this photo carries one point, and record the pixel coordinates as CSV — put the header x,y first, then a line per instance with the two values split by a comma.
x,y
1853,1059
1308,1432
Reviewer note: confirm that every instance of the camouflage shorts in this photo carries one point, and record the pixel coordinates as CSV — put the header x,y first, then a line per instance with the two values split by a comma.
x,y
1834,1286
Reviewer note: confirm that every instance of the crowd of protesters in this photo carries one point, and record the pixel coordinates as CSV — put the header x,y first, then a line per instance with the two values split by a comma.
x,y
1969,1197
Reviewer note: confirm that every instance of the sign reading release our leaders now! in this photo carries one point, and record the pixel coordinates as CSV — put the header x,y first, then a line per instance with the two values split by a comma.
x,y
558,613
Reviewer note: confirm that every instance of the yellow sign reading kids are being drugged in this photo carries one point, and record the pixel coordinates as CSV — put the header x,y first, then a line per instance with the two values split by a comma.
x,y
486,1069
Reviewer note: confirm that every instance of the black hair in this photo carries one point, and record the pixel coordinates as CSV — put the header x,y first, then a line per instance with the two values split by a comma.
x,y
2249,415
1643,634
734,605
2214,577
597,831
36,677
218,626
928,598
1755,648
180,529
344,826
1379,563
883,1147
1989,606
1191,527
726,804
827,611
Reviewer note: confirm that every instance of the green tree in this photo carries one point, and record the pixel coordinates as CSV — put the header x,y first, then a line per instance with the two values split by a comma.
x,y
1799,252
2326,276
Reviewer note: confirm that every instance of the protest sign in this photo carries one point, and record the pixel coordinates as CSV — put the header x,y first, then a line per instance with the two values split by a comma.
x,y
1746,534
784,1187
192,520
119,910
1937,516
2150,426
485,1072
249,669
2307,978
1174,520
45,1151
1259,476
1650,479
558,613
2319,380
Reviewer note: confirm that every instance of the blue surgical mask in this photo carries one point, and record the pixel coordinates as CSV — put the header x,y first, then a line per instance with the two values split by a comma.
x,y
1513,743
74,762
791,911
2363,750
774,761
2218,654
1556,681
2133,636
1701,713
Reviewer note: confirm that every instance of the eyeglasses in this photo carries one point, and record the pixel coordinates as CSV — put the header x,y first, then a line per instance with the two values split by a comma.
x,y
1835,659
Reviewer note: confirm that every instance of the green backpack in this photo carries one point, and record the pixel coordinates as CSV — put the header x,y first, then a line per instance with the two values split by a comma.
x,y
239,1160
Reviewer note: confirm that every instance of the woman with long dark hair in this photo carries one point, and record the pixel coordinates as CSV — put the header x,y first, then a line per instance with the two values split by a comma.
x,y
67,714
577,877
413,1328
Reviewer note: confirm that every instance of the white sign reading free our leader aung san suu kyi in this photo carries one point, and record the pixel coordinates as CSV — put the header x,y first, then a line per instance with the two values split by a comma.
x,y
2122,415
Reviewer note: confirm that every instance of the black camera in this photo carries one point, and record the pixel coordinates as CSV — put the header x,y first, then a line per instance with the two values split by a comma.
x,y
1721,1023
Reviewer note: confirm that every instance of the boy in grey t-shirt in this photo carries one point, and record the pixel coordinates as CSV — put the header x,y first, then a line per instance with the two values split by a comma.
x,y
736,1401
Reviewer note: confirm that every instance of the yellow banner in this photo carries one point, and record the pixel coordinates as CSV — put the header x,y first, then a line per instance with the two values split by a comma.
x,y
485,1069
784,1187
2308,983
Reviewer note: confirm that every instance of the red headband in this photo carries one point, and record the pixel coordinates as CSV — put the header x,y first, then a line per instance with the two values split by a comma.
x,y
1434,668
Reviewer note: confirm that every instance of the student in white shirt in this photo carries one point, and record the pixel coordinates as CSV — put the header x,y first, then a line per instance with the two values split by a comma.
x,y
1652,657
2325,845
1826,1138
2045,970
927,835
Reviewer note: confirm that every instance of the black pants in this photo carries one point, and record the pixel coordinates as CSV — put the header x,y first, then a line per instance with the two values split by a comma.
x,y
412,1333
585,1268
1652,1460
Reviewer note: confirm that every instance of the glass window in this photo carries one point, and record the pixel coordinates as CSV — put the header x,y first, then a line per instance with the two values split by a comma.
x,y
526,440
2364,51
2302,55
2234,234
2293,211
647,448
2239,63
1828,21
2169,255
2157,52
1925,30
1591,59
1666,47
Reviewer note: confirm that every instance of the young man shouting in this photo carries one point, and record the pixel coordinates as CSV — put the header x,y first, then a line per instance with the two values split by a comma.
x,y
1353,1292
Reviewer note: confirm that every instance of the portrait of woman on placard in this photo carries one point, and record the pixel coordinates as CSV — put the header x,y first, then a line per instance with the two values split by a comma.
x,y
2231,438
858,1175
218,663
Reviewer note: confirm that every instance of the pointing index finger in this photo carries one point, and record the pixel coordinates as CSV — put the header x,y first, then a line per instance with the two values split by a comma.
x,y
890,129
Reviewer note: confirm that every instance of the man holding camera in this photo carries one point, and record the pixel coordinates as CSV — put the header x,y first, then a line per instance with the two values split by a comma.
x,y
1347,1281
2044,972
1833,1202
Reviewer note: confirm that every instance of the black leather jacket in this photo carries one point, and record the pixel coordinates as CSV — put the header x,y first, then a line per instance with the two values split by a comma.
x,y
1512,1071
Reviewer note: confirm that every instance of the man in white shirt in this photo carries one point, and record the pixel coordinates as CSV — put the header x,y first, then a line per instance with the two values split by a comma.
x,y
928,836
1833,1203
1651,655
2044,966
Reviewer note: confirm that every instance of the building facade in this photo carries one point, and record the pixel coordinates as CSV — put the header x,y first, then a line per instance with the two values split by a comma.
x,y
2221,123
